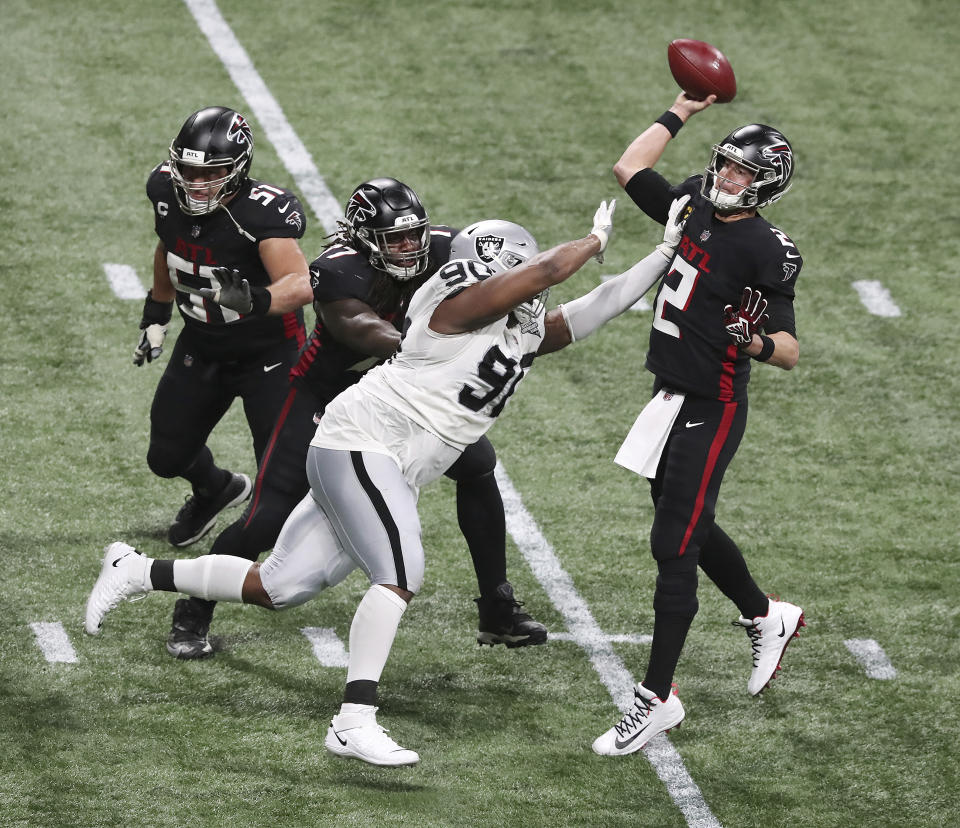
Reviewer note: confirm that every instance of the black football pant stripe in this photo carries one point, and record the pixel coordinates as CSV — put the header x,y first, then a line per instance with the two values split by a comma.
x,y
390,527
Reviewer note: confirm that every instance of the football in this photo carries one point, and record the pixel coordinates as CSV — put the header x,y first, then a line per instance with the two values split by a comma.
x,y
701,69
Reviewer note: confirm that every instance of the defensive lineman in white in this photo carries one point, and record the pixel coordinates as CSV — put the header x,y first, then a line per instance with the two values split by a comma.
x,y
471,333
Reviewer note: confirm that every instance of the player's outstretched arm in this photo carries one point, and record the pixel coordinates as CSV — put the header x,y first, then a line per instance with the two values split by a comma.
x,y
493,298
645,150
581,317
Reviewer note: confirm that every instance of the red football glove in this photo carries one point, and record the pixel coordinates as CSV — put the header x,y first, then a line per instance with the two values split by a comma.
x,y
742,324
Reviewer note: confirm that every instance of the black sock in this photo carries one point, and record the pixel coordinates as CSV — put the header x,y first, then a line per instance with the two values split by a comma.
x,y
723,563
362,691
482,522
669,635
205,476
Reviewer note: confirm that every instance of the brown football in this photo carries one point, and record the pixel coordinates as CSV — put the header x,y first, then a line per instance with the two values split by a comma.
x,y
701,69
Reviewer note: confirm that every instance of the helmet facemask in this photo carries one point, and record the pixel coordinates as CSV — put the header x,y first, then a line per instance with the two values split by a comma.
x,y
402,251
727,202
198,198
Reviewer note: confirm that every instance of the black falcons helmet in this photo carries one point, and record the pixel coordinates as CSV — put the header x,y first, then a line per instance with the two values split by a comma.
x,y
215,137
759,148
385,220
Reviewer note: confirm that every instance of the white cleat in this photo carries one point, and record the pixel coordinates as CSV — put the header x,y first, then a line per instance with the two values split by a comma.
x,y
357,735
121,579
769,635
645,719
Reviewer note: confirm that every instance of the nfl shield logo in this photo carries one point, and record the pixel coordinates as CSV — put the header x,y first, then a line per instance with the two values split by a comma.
x,y
704,235
488,247
195,231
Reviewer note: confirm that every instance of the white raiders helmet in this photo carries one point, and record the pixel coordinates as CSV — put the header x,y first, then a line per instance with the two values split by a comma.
x,y
502,245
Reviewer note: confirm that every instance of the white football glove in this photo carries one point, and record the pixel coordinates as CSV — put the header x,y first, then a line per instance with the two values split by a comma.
x,y
150,345
673,232
233,293
603,226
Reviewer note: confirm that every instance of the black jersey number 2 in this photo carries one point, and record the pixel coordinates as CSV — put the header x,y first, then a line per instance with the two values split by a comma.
x,y
502,374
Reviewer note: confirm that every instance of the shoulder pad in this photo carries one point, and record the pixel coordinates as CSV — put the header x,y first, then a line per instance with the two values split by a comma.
x,y
341,272
268,212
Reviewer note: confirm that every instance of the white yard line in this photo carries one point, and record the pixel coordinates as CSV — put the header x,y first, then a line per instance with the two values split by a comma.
x,y
876,298
871,655
289,147
124,281
327,646
585,631
615,638
53,641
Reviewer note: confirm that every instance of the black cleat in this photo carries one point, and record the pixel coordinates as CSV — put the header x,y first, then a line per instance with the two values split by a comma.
x,y
191,623
198,514
502,622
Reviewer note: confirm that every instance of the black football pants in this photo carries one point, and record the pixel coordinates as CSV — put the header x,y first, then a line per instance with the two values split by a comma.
x,y
194,394
704,439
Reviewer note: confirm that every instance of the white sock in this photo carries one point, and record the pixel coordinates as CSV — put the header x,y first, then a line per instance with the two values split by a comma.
x,y
214,577
372,632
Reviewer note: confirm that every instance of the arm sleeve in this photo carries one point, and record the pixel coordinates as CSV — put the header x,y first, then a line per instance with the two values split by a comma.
x,y
584,315
651,192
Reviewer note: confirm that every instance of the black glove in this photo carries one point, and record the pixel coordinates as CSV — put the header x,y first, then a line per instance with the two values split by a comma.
x,y
156,317
743,323
235,293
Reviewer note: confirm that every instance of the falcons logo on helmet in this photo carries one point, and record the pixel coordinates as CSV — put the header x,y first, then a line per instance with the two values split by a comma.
x,y
239,131
359,208
781,157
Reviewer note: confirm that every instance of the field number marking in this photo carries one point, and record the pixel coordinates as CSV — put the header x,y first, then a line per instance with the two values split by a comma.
x,y
124,281
871,655
876,298
53,642
327,646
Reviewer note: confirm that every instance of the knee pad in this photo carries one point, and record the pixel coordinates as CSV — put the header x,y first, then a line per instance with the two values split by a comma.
x,y
478,460
676,591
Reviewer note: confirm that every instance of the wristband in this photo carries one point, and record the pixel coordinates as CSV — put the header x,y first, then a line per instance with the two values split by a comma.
x,y
671,121
767,350
260,298
154,312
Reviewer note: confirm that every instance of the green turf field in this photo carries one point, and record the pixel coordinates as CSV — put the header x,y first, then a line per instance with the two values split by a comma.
x,y
843,494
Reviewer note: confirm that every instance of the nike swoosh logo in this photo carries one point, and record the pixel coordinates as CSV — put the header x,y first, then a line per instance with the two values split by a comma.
x,y
792,255
341,741
120,559
282,210
694,425
621,745
783,630
267,368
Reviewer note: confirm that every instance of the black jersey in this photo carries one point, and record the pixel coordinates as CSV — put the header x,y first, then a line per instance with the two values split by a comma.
x,y
326,365
690,349
228,237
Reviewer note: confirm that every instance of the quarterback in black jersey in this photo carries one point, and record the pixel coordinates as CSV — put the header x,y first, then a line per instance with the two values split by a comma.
x,y
228,255
361,285
726,299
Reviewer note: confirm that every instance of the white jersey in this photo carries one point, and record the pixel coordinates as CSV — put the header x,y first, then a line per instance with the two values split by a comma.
x,y
452,385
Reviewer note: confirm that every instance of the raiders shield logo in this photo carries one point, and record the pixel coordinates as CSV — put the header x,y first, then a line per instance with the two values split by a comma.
x,y
488,247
